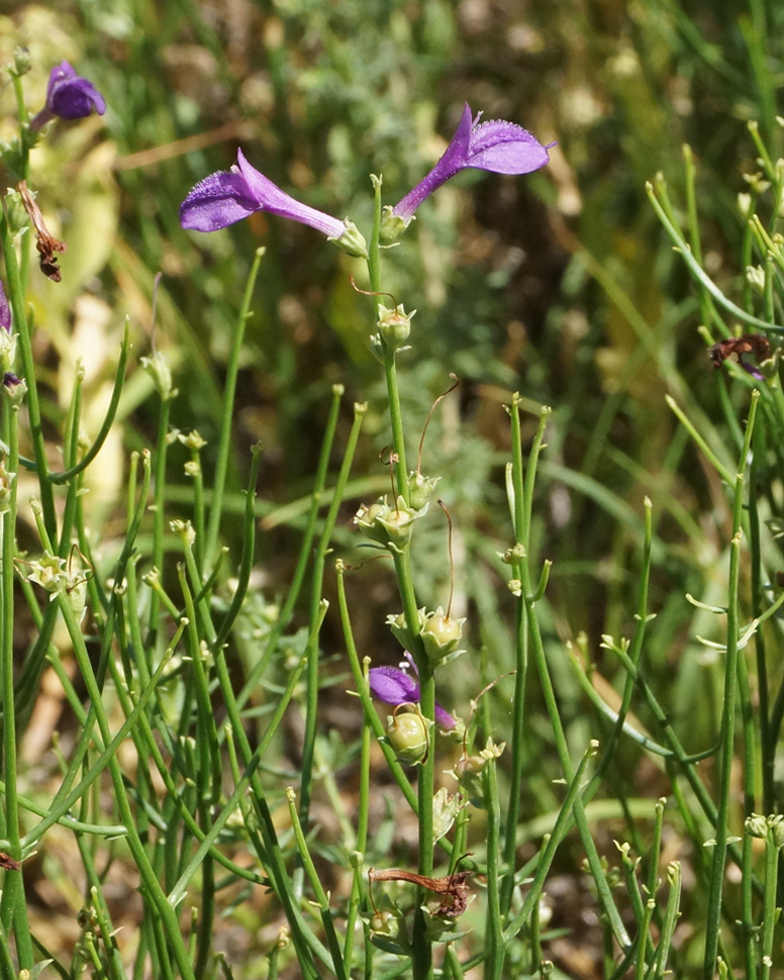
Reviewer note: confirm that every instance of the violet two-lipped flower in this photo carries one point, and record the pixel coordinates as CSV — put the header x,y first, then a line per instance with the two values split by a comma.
x,y
69,96
497,145
230,195
393,685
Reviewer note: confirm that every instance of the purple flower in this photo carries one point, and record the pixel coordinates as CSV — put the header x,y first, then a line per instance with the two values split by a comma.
x,y
68,96
230,195
10,380
497,145
394,686
5,311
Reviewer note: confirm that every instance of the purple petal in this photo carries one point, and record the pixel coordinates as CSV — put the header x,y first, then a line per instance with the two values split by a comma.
x,y
505,148
499,146
217,201
751,369
443,718
10,380
5,311
70,96
393,686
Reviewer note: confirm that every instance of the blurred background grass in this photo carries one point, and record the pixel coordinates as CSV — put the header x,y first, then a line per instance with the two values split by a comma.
x,y
560,285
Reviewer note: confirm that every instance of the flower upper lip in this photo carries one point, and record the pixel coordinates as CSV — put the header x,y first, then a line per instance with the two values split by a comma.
x,y
498,145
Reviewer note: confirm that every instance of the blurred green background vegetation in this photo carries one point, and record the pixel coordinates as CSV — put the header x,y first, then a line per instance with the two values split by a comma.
x,y
560,285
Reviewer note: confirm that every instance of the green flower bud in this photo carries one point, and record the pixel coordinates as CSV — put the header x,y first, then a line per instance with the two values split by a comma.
x,y
398,522
159,370
757,826
17,216
48,572
193,440
420,488
367,520
394,325
400,629
22,61
446,807
390,526
392,225
7,350
441,636
776,824
6,485
184,529
755,277
407,734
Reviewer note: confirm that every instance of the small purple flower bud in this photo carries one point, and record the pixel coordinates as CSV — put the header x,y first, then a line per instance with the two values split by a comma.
x,y
230,195
10,380
5,311
499,146
68,96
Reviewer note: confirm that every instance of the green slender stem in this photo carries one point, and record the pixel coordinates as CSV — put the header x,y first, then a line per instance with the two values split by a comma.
x,y
699,274
321,896
494,939
227,422
551,843
22,327
67,475
396,420
670,919
198,511
769,911
150,882
724,472
13,906
713,915
209,776
363,821
422,952
304,554
374,250
519,511
749,935
605,895
58,811
248,551
767,746
159,509
311,711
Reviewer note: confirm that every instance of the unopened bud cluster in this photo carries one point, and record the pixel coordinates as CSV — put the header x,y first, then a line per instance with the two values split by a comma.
x,y
764,828
59,579
388,524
